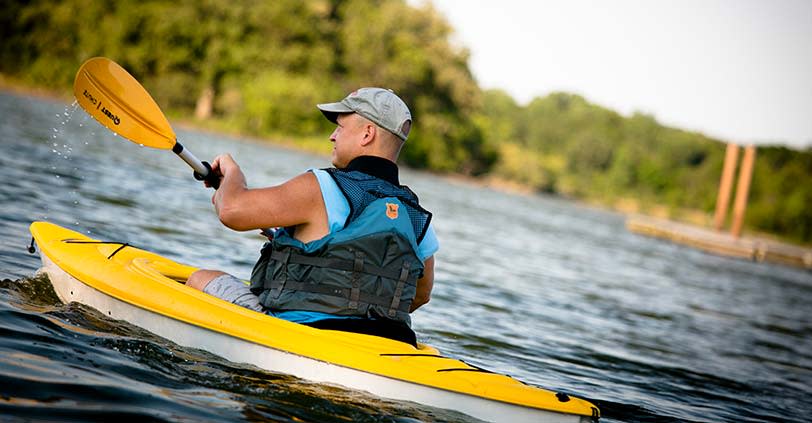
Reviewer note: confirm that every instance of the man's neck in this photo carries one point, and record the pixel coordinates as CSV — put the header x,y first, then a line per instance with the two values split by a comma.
x,y
377,167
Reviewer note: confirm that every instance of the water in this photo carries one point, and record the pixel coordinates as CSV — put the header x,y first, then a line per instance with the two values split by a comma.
x,y
554,294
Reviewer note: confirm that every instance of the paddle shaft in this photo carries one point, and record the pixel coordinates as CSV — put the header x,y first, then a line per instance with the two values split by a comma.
x,y
190,159
202,170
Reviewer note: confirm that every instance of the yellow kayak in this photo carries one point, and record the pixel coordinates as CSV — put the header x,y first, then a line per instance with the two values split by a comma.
x,y
146,289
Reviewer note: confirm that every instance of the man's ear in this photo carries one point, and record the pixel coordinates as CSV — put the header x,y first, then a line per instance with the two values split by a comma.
x,y
370,131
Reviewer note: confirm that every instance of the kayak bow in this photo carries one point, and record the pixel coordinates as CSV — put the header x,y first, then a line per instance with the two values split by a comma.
x,y
143,288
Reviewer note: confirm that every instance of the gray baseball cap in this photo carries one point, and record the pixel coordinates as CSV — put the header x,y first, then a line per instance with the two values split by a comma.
x,y
379,105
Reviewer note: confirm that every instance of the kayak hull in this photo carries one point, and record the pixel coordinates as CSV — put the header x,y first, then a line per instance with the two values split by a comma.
x,y
301,364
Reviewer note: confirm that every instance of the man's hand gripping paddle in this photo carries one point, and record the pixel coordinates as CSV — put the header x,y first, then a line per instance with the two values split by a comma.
x,y
116,100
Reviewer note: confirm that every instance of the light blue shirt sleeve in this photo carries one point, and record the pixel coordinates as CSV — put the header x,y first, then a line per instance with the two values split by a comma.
x,y
429,245
338,209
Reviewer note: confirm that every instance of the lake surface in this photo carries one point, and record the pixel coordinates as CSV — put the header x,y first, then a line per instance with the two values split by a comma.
x,y
547,291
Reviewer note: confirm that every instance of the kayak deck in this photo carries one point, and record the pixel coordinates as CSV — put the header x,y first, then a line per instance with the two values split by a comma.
x,y
142,287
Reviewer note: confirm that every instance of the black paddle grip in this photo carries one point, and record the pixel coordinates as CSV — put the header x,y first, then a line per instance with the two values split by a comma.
x,y
211,178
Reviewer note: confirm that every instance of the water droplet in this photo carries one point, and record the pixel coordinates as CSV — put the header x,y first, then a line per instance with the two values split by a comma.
x,y
57,176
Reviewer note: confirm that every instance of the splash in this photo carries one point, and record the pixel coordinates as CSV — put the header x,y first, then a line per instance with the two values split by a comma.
x,y
64,136
59,133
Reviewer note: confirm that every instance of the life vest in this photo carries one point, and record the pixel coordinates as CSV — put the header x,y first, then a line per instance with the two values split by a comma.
x,y
369,268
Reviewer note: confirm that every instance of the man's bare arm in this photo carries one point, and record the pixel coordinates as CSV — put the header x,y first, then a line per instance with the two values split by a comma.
x,y
297,202
424,285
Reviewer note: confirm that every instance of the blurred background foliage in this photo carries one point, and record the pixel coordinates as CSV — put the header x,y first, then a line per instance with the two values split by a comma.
x,y
259,68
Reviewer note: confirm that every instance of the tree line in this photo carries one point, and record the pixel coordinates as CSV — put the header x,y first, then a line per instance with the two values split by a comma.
x,y
259,67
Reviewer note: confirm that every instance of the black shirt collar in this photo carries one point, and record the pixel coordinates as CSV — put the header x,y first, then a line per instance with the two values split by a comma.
x,y
377,167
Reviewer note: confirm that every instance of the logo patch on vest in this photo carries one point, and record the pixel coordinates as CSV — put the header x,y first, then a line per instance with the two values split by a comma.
x,y
392,211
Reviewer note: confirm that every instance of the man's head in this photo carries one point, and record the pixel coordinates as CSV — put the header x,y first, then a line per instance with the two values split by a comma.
x,y
371,121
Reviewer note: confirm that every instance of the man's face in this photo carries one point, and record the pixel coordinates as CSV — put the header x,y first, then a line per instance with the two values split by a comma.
x,y
346,139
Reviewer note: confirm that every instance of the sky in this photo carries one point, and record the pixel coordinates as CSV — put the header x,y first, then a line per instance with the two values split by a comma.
x,y
736,70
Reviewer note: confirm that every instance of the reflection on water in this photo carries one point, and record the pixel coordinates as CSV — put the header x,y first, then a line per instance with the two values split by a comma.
x,y
547,291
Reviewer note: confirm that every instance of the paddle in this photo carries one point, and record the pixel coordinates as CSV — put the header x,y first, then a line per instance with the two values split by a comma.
x,y
115,99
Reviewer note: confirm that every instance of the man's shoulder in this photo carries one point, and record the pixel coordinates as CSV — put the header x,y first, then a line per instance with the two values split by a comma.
x,y
304,180
301,188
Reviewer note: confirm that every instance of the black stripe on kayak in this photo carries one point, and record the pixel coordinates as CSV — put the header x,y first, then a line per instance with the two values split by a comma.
x,y
460,369
79,241
478,369
473,369
413,355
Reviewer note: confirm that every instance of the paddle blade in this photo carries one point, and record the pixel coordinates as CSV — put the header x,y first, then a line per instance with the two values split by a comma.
x,y
114,98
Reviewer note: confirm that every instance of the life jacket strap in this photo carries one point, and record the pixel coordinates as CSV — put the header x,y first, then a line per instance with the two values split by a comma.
x,y
288,256
276,288
344,293
404,274
357,268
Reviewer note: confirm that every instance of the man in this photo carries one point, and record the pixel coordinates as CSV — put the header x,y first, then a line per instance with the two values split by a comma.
x,y
355,251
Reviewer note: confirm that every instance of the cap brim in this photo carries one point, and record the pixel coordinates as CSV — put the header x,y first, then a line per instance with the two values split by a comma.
x,y
332,110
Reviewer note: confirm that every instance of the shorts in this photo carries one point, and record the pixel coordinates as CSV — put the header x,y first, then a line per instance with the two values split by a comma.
x,y
234,290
